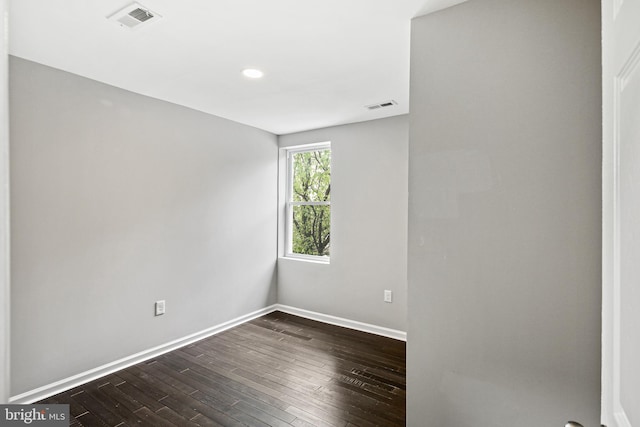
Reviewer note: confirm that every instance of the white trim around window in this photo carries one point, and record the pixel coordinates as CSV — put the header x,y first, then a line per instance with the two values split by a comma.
x,y
289,204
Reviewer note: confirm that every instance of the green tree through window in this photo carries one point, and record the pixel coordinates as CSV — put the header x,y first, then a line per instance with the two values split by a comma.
x,y
310,202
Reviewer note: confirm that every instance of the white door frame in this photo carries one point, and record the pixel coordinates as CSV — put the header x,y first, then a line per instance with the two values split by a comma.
x,y
621,63
4,206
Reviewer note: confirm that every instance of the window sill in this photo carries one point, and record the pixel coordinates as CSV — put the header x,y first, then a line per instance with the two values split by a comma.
x,y
317,260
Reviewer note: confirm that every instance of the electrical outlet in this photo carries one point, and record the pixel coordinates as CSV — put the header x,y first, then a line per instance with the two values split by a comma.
x,y
388,296
160,307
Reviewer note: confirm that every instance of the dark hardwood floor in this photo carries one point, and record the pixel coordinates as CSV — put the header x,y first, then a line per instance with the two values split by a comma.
x,y
277,370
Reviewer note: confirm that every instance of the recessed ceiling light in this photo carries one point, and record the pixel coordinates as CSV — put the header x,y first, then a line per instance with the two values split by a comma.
x,y
252,73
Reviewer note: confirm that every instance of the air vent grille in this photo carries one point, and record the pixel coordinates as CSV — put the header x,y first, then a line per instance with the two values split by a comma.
x,y
141,14
133,16
384,104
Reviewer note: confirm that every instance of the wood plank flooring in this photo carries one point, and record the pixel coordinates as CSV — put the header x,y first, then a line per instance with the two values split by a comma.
x,y
278,370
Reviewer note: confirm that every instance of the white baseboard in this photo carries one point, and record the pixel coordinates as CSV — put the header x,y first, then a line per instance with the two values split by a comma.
x,y
339,321
93,374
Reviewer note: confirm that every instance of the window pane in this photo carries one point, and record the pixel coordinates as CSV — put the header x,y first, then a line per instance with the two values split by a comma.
x,y
311,230
312,176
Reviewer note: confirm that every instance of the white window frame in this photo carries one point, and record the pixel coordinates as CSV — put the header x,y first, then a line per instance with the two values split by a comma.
x,y
289,203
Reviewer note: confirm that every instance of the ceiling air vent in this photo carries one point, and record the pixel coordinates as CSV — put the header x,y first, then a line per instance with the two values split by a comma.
x,y
133,16
381,105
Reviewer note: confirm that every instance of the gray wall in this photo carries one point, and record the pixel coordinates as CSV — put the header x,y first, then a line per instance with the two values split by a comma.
x,y
119,200
504,215
368,229
4,209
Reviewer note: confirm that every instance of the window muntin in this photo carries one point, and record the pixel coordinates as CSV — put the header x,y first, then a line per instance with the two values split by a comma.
x,y
309,202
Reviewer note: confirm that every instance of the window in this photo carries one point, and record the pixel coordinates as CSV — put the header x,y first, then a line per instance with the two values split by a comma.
x,y
309,202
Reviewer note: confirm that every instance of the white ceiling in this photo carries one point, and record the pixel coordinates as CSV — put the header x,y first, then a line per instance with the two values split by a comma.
x,y
324,60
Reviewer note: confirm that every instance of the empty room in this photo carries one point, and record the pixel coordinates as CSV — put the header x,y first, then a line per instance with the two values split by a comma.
x,y
321,213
